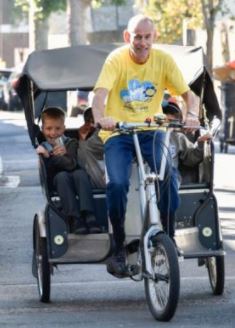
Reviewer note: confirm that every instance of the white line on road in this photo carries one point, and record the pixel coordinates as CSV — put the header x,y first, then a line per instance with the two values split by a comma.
x,y
8,181
24,161
1,166
77,283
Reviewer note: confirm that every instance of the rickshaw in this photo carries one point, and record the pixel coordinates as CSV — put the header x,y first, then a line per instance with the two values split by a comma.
x,y
151,255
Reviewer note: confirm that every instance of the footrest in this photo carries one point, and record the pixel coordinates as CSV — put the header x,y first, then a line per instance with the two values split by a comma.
x,y
90,248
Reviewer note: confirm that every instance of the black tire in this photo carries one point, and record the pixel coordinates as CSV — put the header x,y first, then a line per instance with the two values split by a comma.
x,y
162,295
43,267
216,272
221,147
226,148
34,262
10,105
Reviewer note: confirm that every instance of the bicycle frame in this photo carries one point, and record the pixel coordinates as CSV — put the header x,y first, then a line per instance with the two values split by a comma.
x,y
148,196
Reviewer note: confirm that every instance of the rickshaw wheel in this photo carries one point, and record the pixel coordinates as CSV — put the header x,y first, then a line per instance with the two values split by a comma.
x,y
162,293
226,148
215,267
221,146
43,267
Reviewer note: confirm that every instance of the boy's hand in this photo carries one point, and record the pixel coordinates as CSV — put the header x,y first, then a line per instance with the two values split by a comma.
x,y
40,150
204,137
59,150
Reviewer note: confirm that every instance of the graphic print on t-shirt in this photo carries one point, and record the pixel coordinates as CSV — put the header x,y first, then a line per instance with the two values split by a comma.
x,y
137,94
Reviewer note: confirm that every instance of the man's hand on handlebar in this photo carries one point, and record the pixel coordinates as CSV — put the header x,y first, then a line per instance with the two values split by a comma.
x,y
192,123
107,123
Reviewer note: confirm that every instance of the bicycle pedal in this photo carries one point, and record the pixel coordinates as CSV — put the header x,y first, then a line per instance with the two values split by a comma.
x,y
133,270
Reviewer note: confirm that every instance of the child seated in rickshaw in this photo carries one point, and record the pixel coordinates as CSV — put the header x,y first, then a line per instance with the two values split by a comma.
x,y
182,149
91,150
64,174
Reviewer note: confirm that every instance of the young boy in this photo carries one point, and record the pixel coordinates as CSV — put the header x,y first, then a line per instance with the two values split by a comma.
x,y
60,154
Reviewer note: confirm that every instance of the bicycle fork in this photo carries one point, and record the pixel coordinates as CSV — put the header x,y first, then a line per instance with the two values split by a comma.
x,y
148,203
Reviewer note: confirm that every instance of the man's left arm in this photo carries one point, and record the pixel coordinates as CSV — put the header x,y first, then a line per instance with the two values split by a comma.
x,y
192,108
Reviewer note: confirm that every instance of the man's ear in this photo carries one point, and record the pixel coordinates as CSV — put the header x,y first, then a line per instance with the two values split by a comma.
x,y
126,36
155,35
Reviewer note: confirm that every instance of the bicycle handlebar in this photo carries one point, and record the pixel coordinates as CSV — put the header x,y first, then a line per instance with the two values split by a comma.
x,y
137,125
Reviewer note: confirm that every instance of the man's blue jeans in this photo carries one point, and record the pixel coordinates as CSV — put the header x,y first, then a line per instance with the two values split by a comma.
x,y
119,152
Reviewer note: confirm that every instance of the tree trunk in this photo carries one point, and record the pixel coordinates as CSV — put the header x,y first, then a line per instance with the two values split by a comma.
x,y
225,43
41,34
209,21
209,49
77,21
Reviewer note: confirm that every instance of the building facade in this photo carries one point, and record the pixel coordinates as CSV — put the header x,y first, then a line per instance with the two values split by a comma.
x,y
13,37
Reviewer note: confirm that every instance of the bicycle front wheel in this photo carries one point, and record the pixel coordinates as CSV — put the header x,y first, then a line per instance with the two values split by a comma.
x,y
162,290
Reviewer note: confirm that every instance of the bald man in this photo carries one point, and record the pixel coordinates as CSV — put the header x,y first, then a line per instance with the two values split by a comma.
x,y
130,88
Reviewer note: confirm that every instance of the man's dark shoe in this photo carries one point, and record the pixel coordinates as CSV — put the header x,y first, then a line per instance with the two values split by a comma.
x,y
91,224
81,228
117,263
72,224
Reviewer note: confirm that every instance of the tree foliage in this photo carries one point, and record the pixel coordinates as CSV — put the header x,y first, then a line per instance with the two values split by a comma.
x,y
98,3
43,8
169,16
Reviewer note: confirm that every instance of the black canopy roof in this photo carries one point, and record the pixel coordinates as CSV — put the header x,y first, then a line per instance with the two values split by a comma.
x,y
78,67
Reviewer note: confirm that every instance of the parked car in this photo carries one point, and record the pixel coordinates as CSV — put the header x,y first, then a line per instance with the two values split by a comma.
x,y
4,77
12,99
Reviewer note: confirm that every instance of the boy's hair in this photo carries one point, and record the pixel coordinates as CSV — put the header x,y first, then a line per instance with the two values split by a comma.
x,y
88,116
172,108
53,112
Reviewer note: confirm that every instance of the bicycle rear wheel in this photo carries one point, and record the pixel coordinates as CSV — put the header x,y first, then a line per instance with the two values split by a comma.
x,y
215,267
42,267
162,291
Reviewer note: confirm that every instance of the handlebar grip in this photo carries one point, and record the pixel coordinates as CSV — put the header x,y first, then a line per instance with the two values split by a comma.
x,y
119,125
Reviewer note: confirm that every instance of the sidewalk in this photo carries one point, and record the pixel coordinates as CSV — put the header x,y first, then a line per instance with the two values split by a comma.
x,y
5,115
224,177
9,181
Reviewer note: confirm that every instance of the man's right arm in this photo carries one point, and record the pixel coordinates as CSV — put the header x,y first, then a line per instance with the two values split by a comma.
x,y
98,107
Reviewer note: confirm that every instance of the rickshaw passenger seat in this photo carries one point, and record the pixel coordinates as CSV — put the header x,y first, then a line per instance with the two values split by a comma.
x,y
198,176
49,191
189,175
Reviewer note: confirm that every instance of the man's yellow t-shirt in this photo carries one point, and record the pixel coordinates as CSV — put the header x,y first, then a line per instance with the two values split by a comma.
x,y
136,91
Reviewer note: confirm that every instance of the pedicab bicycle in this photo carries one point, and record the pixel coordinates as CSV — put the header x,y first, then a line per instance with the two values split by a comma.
x,y
151,256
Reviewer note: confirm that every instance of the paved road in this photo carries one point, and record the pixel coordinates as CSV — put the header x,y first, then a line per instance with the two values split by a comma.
x,y
85,295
